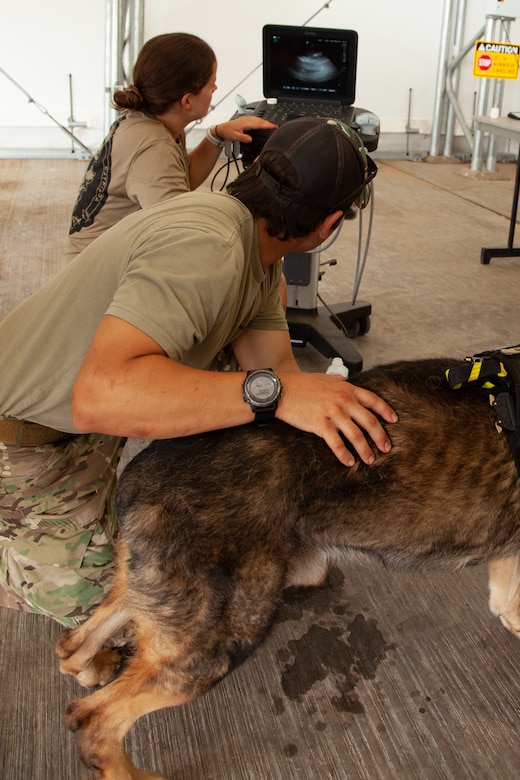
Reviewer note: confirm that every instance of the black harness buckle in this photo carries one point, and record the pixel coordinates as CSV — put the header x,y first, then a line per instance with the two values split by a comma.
x,y
505,410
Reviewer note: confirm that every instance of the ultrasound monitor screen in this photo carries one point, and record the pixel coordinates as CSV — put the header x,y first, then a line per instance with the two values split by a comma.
x,y
309,63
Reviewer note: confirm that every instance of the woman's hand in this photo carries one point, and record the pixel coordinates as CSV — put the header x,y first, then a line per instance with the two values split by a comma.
x,y
236,129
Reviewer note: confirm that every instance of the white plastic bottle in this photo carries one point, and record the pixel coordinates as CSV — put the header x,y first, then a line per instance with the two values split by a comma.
x,y
338,367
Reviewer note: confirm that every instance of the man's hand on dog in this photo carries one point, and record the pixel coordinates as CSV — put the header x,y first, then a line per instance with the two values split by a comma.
x,y
328,405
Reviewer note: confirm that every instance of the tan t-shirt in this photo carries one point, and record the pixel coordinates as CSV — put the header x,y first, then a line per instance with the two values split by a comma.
x,y
186,272
139,164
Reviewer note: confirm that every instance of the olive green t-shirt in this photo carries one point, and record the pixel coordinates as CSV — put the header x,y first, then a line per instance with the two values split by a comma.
x,y
139,164
186,272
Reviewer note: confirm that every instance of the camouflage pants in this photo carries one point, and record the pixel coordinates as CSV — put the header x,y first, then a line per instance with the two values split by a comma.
x,y
57,525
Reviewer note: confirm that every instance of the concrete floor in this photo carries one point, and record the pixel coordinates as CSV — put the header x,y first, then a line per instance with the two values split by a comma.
x,y
380,674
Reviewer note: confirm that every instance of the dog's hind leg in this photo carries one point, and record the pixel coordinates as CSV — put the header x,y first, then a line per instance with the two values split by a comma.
x,y
79,649
504,591
199,629
154,678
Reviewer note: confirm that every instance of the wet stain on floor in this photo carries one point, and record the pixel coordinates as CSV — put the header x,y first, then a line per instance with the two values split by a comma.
x,y
341,645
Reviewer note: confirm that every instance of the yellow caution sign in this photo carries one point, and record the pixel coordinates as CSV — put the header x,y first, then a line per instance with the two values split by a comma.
x,y
496,60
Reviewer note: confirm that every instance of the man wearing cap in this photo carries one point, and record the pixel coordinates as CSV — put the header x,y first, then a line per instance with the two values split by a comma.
x,y
118,343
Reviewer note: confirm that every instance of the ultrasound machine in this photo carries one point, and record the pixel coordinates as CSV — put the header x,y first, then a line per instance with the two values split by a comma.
x,y
312,71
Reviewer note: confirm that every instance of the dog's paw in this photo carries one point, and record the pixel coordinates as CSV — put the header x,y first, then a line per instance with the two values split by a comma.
x,y
506,610
96,748
511,621
101,669
67,643
510,618
74,715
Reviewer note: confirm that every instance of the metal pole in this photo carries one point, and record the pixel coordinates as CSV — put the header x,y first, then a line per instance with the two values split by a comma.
x,y
457,46
481,107
124,24
496,102
111,48
137,29
449,89
441,79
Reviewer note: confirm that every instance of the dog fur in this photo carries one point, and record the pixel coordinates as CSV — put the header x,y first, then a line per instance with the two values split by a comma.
x,y
214,526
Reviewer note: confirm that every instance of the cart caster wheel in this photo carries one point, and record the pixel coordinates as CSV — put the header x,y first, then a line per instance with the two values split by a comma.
x,y
354,329
364,324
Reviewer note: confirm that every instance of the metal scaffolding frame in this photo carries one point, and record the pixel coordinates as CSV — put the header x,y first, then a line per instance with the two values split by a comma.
x,y
451,54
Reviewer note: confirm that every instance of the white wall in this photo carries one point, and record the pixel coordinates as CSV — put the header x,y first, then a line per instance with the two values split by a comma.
x,y
41,43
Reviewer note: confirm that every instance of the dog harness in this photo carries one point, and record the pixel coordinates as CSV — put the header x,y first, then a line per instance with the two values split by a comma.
x,y
497,370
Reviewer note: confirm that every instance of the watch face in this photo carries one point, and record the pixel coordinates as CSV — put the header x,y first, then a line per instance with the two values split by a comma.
x,y
263,388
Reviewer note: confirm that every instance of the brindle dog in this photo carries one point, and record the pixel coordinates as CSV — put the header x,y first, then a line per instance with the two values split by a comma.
x,y
213,527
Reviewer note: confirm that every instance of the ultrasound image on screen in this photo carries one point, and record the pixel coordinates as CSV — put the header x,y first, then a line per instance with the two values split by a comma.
x,y
314,67
299,67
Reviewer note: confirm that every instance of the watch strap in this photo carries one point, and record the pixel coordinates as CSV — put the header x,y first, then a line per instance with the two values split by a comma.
x,y
266,415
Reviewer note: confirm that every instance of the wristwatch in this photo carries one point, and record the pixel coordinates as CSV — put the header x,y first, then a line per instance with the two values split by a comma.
x,y
262,389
